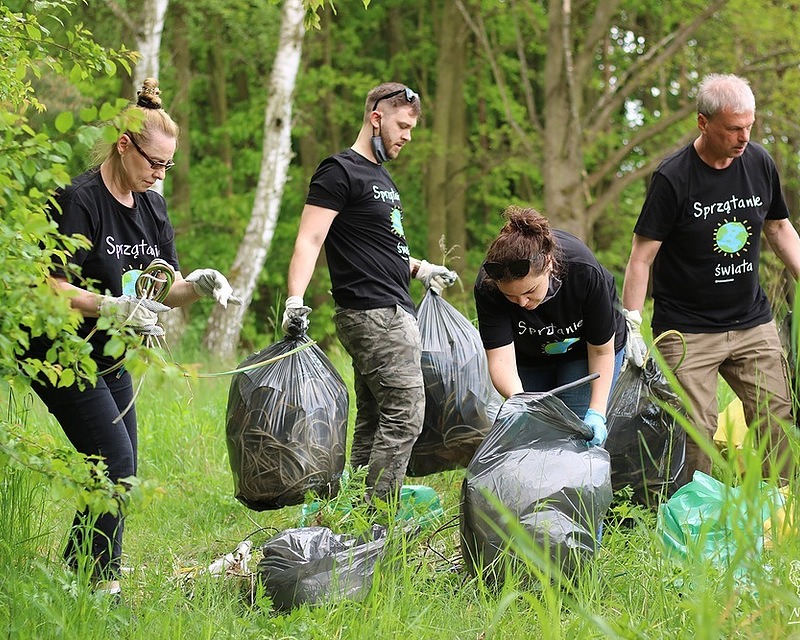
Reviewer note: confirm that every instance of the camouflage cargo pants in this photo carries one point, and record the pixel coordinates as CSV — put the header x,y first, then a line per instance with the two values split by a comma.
x,y
390,395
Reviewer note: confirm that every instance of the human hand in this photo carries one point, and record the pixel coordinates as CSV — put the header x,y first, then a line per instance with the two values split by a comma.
x,y
597,423
211,283
295,317
434,276
635,347
137,313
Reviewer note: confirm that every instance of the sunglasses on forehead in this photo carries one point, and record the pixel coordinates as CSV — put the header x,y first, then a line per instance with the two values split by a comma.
x,y
410,96
514,268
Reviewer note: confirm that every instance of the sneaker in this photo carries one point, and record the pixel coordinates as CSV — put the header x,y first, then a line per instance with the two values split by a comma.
x,y
109,588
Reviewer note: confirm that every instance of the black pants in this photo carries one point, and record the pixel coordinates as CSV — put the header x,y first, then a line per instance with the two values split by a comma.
x,y
87,418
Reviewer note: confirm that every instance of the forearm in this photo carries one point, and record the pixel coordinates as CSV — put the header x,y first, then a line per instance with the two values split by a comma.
x,y
301,267
86,302
503,370
601,360
634,289
181,293
785,242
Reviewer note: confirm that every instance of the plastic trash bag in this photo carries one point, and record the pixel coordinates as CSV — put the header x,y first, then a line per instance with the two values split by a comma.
x,y
647,447
460,401
536,463
286,426
713,521
313,565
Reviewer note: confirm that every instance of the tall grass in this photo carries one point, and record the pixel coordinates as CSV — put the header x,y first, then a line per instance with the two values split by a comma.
x,y
633,589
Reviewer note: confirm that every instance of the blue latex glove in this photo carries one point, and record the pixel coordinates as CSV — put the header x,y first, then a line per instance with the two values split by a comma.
x,y
597,423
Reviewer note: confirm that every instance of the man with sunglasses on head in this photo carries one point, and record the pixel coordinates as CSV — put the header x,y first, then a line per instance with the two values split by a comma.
x,y
353,208
548,315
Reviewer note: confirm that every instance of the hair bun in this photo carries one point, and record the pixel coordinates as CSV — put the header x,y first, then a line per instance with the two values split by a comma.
x,y
149,96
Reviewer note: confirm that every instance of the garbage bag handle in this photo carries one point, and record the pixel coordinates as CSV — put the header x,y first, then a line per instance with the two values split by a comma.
x,y
660,338
574,383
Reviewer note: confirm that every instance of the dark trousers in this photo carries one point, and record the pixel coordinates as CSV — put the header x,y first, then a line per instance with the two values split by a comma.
x,y
87,417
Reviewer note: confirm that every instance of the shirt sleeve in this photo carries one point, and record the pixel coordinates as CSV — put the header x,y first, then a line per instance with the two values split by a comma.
x,y
598,312
330,186
659,210
495,327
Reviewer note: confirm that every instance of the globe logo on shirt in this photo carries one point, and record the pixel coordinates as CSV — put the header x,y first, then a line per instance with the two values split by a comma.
x,y
555,348
731,237
397,222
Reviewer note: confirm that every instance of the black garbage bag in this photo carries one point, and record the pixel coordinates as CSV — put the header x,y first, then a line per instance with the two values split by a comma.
x,y
536,464
313,565
286,426
646,446
460,401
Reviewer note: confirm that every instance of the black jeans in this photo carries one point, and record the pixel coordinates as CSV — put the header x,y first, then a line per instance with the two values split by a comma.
x,y
87,418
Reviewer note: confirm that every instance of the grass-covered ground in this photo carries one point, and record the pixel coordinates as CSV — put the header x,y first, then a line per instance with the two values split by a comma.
x,y
633,589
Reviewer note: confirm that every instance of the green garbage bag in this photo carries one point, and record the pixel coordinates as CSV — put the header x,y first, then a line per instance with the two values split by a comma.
x,y
712,521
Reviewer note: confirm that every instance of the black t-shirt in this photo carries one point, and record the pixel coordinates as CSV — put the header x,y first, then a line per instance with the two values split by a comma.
x,y
585,309
705,275
124,240
366,249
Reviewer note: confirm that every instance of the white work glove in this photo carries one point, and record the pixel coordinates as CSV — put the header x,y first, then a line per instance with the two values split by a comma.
x,y
137,313
635,348
435,277
211,283
295,317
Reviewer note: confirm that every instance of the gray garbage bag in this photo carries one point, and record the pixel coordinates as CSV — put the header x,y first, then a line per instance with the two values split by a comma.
x,y
536,464
286,426
460,401
646,446
313,565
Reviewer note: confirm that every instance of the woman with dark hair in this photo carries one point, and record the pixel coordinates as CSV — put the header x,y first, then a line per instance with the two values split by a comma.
x,y
548,314
127,225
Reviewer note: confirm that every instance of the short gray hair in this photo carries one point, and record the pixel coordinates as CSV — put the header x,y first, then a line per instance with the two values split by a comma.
x,y
720,91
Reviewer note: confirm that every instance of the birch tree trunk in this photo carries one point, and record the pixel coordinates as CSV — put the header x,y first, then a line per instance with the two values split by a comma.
x,y
224,326
148,43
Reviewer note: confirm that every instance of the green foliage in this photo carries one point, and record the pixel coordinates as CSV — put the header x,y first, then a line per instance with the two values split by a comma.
x,y
33,164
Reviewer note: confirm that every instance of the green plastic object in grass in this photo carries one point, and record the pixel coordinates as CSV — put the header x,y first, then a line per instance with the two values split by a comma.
x,y
710,521
418,503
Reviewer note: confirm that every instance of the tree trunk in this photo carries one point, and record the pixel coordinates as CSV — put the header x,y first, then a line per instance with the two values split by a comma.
x,y
563,165
445,189
180,199
181,106
224,326
148,43
218,99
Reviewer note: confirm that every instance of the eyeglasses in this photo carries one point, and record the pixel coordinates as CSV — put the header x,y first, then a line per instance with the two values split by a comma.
x,y
514,268
410,96
166,166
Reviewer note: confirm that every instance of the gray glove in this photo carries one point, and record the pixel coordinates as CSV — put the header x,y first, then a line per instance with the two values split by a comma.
x,y
212,284
295,317
137,313
635,348
435,277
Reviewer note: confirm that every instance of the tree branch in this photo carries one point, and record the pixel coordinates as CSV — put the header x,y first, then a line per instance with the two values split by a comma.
x,y
611,165
634,78
602,18
479,30
619,184
120,13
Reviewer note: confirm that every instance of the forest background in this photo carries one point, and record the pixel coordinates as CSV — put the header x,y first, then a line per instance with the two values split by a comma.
x,y
566,107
